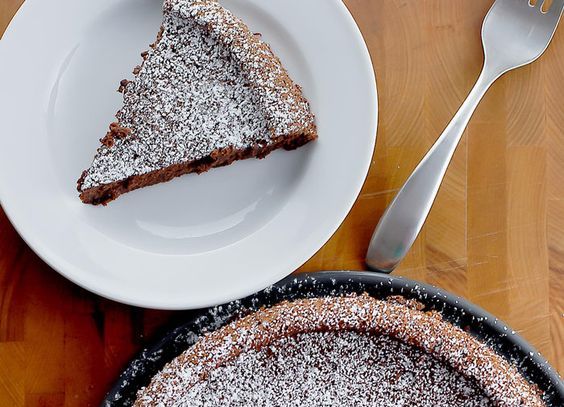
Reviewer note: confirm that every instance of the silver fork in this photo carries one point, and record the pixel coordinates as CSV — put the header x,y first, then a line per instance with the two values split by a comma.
x,y
514,33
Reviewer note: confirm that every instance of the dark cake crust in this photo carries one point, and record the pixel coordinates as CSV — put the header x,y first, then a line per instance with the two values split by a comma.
x,y
103,194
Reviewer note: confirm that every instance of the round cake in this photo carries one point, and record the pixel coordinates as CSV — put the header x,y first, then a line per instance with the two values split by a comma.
x,y
347,351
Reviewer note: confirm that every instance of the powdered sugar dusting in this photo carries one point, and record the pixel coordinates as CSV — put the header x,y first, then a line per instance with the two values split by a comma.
x,y
208,84
335,369
286,109
353,345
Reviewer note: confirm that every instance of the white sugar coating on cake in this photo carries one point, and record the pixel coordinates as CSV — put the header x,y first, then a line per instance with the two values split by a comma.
x,y
208,84
334,369
286,109
228,346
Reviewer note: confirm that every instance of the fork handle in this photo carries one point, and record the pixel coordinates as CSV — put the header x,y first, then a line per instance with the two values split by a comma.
x,y
403,219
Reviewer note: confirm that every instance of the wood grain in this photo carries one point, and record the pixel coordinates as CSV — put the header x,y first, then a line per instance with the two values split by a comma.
x,y
495,235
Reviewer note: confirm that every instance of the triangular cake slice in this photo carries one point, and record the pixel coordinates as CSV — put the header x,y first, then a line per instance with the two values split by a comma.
x,y
208,92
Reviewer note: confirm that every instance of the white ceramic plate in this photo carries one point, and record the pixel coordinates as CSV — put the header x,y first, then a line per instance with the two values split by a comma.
x,y
198,240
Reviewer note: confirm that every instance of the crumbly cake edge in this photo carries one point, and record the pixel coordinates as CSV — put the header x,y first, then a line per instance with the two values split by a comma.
x,y
106,193
398,318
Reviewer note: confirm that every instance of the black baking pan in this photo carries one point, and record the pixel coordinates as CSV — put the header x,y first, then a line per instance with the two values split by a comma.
x,y
458,311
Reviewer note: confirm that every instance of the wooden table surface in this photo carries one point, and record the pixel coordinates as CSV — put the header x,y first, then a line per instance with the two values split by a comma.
x,y
495,235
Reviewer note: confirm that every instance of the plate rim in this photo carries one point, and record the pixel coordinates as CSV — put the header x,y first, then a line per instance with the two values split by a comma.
x,y
73,273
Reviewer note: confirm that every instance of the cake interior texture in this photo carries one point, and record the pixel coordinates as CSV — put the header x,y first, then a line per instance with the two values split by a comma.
x,y
208,92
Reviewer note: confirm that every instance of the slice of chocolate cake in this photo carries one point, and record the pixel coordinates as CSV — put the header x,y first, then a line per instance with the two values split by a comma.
x,y
208,92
